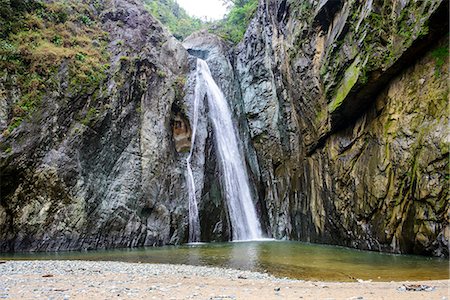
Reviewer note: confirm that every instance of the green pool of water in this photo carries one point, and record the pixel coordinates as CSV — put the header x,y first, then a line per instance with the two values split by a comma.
x,y
280,258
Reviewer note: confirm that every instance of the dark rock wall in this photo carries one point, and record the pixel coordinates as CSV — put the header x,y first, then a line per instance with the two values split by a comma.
x,y
100,170
341,107
345,102
213,210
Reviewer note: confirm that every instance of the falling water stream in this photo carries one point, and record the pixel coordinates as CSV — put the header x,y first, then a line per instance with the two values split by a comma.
x,y
242,213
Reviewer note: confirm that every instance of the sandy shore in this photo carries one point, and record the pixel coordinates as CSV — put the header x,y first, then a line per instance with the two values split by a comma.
x,y
108,280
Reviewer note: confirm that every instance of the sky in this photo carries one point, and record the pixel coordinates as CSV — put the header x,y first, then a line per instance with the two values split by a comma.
x,y
212,9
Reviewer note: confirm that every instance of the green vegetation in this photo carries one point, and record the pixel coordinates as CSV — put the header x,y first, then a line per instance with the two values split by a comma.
x,y
15,122
349,81
90,116
235,23
36,38
175,18
440,55
178,86
381,38
181,25
161,74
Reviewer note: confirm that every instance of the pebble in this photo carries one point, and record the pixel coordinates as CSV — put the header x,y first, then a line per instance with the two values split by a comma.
x,y
50,269
416,288
50,272
222,297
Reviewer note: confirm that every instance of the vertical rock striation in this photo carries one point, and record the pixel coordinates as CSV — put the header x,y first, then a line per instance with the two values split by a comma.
x,y
340,106
345,102
213,209
99,169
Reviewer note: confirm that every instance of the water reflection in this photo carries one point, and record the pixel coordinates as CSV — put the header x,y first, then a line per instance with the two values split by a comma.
x,y
244,256
194,257
280,258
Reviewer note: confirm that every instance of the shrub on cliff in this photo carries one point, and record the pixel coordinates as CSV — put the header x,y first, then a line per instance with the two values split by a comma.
x,y
37,38
235,23
175,18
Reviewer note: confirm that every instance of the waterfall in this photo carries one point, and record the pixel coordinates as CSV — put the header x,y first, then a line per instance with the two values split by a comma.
x,y
194,221
242,213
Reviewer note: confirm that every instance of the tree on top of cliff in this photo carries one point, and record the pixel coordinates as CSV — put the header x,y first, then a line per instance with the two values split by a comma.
x,y
235,23
174,17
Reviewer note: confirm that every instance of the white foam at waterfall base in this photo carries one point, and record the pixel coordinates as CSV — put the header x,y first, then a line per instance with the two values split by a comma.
x,y
242,213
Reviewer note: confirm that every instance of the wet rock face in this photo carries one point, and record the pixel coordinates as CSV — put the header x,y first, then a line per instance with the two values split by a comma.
x,y
213,213
344,102
100,170
340,106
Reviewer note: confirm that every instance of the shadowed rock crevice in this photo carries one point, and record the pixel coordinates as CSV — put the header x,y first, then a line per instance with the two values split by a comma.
x,y
181,130
361,95
342,124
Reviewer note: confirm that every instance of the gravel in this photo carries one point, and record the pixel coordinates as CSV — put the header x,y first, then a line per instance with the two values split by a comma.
x,y
103,280
120,280
45,268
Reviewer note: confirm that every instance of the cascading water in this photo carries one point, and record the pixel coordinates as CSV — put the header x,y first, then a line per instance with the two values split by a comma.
x,y
244,222
194,222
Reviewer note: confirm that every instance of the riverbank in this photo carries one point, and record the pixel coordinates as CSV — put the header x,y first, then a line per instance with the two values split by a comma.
x,y
107,280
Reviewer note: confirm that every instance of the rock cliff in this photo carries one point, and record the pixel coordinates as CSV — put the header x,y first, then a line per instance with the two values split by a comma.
x,y
220,57
340,105
99,169
346,105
